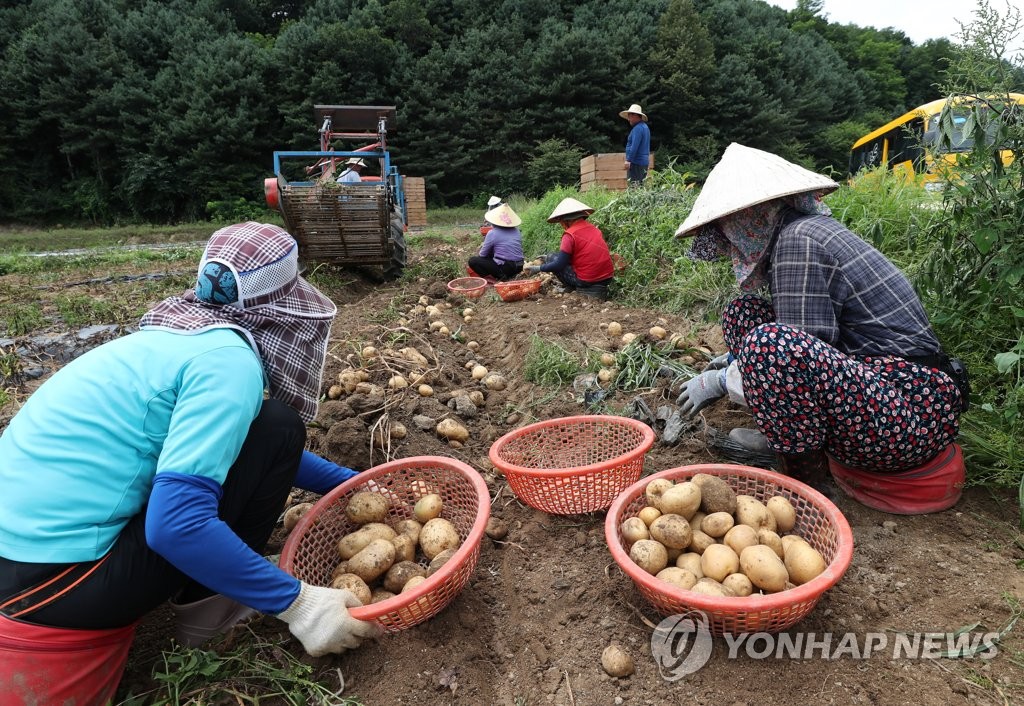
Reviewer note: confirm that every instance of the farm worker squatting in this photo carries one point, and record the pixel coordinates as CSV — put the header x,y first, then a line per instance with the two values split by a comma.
x,y
501,255
151,468
843,359
583,261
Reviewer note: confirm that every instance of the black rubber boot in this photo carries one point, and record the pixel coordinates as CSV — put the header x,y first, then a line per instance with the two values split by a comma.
x,y
811,468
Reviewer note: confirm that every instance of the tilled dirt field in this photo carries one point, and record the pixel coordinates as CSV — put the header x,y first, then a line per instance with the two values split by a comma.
x,y
543,604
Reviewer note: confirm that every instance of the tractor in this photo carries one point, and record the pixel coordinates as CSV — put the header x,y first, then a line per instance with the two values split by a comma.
x,y
355,224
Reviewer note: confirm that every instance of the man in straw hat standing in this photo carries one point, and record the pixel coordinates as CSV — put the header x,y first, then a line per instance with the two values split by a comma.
x,y
638,144
583,261
152,467
501,255
843,359
352,174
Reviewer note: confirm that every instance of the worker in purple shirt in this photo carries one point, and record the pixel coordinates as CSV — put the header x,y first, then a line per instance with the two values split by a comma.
x,y
501,255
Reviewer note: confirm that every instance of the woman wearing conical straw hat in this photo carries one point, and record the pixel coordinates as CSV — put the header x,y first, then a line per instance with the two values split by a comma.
x,y
583,262
843,360
501,255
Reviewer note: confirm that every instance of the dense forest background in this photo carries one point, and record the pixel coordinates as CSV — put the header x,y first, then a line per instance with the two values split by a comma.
x,y
121,110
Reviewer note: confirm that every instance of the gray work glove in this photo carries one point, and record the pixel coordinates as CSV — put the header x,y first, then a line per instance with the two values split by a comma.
x,y
718,362
700,391
531,269
319,618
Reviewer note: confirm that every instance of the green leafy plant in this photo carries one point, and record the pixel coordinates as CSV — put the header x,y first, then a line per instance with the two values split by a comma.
x,y
640,364
20,319
549,364
554,163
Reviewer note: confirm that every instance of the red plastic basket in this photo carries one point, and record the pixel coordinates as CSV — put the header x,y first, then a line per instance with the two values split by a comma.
x,y
573,464
818,521
310,553
469,287
517,289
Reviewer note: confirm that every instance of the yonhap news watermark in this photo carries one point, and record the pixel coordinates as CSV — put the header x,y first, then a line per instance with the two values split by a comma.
x,y
682,644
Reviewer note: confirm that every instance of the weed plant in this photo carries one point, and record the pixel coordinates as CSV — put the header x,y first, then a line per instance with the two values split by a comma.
x,y
549,364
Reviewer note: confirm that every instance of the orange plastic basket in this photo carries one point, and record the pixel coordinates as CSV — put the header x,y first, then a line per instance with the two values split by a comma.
x,y
517,289
818,521
310,553
573,464
469,287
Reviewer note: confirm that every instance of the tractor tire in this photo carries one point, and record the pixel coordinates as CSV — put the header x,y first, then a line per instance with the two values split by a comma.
x,y
393,270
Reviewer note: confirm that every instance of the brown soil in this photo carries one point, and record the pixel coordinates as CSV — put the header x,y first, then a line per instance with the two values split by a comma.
x,y
542,605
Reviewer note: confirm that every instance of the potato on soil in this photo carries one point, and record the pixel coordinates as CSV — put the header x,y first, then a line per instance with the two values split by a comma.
x,y
409,527
428,507
375,559
655,489
607,360
764,568
633,530
717,524
440,560
293,514
671,530
616,663
803,562
452,430
367,507
479,372
614,329
496,528
399,575
681,499
405,547
784,512
380,595
355,584
691,562
438,535
353,543
495,382
738,584
751,512
680,578
715,494
718,561
649,515
657,333
740,537
649,555
628,338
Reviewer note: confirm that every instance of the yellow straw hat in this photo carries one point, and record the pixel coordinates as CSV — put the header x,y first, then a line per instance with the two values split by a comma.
x,y
503,217
569,207
635,108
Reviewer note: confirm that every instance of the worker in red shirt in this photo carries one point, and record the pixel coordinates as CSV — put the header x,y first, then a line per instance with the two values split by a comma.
x,y
583,262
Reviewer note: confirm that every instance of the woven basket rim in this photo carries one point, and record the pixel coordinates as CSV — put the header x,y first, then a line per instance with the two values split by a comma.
x,y
809,592
455,286
461,556
646,442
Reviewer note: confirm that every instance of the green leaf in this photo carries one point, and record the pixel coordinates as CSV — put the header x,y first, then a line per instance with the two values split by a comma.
x,y
985,238
1005,361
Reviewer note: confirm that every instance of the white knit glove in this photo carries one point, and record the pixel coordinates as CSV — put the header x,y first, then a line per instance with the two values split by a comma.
x,y
319,618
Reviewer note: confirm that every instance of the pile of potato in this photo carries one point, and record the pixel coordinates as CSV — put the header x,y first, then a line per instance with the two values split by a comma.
x,y
380,560
700,536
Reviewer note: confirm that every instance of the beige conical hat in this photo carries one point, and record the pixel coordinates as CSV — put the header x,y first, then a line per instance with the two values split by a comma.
x,y
744,177
356,162
503,217
569,207
635,108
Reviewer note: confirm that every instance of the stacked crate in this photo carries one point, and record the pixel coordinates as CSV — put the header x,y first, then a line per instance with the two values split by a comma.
x,y
415,202
605,170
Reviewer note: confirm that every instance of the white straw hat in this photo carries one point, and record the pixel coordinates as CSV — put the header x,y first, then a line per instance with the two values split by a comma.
x,y
569,207
493,201
635,108
745,177
503,217
356,162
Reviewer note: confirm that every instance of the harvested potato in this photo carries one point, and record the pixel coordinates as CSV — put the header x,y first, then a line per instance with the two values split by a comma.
x,y
633,530
367,507
607,360
790,539
452,430
718,561
398,430
671,530
335,391
410,528
616,663
709,587
614,329
715,494
495,382
700,541
380,595
425,391
473,346
697,519
341,568
397,382
655,489
436,325
673,554
428,507
717,524
294,514
681,499
658,333
413,583
649,515
374,559
649,555
438,535
803,562
771,540
369,352
628,338
355,584
405,547
764,568
353,543
496,528
740,537
691,562
739,584
399,575
606,375
680,578
440,560
784,512
751,512
479,372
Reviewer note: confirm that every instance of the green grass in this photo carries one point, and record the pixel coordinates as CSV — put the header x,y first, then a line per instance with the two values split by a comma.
x,y
21,318
444,268
549,364
58,238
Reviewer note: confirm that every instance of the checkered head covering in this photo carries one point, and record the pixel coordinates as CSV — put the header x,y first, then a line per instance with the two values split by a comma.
x,y
249,281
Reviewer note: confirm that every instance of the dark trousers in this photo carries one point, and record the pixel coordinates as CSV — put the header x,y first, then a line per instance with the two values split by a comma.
x,y
636,173
486,266
133,580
